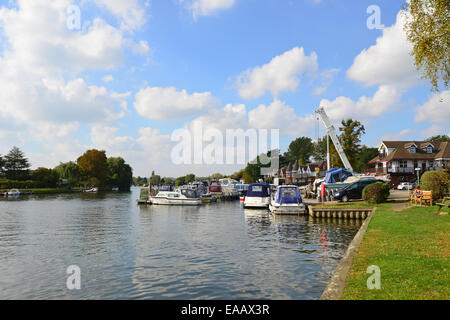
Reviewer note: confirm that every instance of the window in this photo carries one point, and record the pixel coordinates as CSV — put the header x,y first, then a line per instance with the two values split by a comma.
x,y
429,149
403,164
412,149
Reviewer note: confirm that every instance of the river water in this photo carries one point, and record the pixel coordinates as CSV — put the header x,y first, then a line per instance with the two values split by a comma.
x,y
126,251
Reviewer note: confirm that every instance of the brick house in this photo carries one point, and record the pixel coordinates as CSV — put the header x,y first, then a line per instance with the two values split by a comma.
x,y
399,159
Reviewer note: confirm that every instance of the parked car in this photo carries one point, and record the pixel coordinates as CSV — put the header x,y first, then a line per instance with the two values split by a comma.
x,y
354,190
406,186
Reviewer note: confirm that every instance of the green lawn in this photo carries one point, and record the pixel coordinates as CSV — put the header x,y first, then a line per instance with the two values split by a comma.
x,y
412,249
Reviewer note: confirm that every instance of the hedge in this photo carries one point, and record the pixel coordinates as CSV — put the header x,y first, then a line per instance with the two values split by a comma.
x,y
437,182
376,192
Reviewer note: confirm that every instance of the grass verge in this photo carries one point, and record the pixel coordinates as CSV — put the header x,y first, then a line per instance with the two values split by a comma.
x,y
412,249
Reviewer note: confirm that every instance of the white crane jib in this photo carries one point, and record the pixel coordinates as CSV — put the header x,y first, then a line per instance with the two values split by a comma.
x,y
332,133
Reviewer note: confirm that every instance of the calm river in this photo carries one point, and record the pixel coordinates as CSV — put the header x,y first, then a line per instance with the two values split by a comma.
x,y
124,251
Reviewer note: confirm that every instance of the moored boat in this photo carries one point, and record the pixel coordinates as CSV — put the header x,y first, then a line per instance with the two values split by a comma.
x,y
179,197
288,201
93,190
12,193
258,196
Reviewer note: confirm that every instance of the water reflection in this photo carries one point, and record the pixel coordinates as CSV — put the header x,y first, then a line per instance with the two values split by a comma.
x,y
125,251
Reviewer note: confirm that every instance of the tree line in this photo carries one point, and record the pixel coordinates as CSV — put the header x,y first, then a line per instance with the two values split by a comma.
x,y
92,169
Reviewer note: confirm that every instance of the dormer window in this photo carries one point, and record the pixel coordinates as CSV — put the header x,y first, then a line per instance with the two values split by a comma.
x,y
429,149
412,149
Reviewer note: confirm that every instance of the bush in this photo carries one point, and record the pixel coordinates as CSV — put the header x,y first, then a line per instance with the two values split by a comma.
x,y
376,192
437,182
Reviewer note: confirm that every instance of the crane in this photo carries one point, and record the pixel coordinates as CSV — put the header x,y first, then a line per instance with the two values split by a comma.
x,y
332,133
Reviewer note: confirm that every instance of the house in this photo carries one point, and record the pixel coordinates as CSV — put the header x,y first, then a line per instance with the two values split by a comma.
x,y
399,159
295,174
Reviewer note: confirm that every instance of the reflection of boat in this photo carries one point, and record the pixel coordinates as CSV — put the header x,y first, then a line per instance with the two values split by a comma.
x,y
115,189
13,192
288,201
93,190
258,196
180,197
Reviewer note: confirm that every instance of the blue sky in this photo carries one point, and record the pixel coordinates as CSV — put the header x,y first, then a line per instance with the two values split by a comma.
x,y
138,70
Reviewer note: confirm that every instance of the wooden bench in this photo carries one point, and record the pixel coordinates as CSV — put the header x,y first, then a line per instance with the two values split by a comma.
x,y
424,197
440,205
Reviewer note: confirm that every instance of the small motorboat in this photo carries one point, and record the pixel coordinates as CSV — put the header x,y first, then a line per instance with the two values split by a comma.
x,y
215,189
13,193
180,197
258,196
208,198
93,190
288,201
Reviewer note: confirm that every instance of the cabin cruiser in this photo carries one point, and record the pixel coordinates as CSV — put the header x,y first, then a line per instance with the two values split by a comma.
x,y
182,197
215,189
258,196
13,192
229,187
288,201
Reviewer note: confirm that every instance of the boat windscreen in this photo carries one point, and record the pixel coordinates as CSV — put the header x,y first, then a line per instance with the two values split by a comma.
x,y
288,195
258,191
189,193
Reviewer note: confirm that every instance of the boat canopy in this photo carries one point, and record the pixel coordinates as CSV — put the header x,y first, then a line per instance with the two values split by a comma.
x,y
189,193
258,190
288,195
167,187
337,175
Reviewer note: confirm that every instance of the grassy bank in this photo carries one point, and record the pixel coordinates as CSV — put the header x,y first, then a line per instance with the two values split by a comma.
x,y
412,249
44,190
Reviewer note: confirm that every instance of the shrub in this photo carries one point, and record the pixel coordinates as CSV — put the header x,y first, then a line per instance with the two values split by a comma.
x,y
376,192
437,182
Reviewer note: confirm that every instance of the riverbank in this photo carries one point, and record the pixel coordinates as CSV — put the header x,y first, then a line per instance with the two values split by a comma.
x,y
410,245
45,191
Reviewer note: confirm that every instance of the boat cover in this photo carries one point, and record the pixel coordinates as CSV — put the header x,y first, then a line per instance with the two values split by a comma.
x,y
337,175
258,190
288,195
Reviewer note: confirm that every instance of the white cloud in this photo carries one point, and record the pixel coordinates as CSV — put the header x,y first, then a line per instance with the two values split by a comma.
x,y
436,110
365,108
158,103
435,130
327,77
280,74
278,115
388,62
130,13
208,7
108,78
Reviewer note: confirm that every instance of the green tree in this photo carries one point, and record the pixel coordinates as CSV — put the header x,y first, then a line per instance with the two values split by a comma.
x,y
16,166
2,164
94,168
439,138
155,179
428,29
362,162
189,178
216,176
47,178
352,130
120,174
68,171
320,149
300,150
180,181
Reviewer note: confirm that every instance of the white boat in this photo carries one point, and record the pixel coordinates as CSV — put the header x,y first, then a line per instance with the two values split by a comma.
x,y
179,197
229,187
288,201
13,192
93,190
258,196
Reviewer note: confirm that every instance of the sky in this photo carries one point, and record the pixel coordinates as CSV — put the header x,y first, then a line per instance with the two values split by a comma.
x,y
124,75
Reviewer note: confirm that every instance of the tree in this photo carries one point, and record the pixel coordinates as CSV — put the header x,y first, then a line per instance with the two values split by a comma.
x,y
16,166
428,29
189,178
216,176
366,154
120,174
47,178
320,149
155,180
180,181
93,167
439,138
68,171
2,164
300,150
352,130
